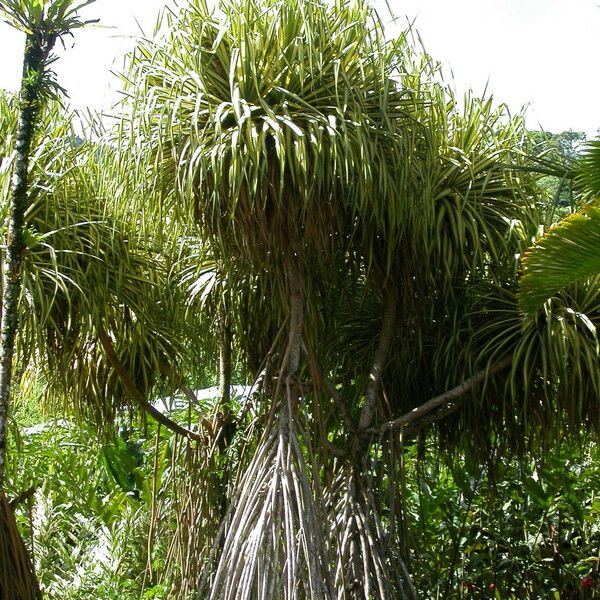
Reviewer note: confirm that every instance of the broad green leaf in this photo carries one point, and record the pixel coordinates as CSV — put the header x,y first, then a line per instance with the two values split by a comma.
x,y
566,254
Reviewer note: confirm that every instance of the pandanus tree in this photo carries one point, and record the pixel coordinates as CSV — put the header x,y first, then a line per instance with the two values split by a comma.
x,y
99,321
289,152
367,228
359,212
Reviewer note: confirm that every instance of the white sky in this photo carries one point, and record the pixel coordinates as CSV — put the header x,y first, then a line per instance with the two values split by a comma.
x,y
537,52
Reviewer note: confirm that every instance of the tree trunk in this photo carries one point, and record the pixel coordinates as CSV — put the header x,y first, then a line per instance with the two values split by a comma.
x,y
33,66
228,425
360,442
224,378
224,357
17,577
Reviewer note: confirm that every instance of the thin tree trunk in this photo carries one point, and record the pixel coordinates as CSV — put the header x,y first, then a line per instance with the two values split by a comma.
x,y
33,67
224,357
296,323
17,575
379,359
224,377
386,336
226,416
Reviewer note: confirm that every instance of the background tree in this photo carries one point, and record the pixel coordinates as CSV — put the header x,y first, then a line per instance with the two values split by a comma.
x,y
88,275
91,292
554,156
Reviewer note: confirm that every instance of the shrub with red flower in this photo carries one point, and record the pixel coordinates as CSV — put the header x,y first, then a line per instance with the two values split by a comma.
x,y
587,582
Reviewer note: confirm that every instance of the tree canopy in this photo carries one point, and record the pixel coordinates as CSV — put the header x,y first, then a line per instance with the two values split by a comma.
x,y
346,197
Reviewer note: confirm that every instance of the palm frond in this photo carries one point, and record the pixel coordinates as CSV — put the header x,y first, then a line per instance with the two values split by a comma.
x,y
587,168
565,254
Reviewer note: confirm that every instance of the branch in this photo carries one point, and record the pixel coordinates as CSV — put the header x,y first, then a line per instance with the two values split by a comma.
x,y
188,393
179,382
442,400
329,385
135,394
22,497
379,359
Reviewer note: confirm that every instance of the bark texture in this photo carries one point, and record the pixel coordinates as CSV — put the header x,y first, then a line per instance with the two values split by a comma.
x,y
360,442
17,575
379,359
36,51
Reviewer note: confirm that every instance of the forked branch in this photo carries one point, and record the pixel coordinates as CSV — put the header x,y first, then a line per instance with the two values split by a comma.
x,y
442,400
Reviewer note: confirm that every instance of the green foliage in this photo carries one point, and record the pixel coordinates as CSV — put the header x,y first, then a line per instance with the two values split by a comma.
x,y
272,152
562,147
355,171
88,269
89,518
588,168
51,18
556,155
531,528
567,253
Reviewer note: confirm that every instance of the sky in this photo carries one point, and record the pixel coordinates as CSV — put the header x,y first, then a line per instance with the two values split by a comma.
x,y
537,53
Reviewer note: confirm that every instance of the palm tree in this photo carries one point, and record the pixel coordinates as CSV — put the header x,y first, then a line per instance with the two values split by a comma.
x,y
569,251
43,24
365,226
99,317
